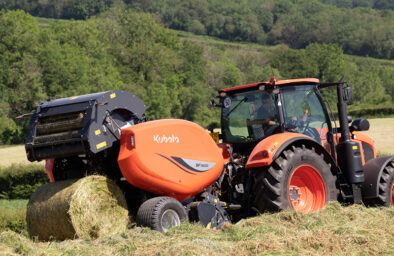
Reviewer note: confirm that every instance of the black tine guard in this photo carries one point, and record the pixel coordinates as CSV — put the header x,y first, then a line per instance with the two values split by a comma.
x,y
85,124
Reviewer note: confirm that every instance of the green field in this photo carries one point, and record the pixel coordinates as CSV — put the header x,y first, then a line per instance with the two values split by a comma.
x,y
13,155
382,131
13,215
336,230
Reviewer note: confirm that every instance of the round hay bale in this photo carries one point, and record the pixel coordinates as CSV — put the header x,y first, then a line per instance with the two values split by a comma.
x,y
90,207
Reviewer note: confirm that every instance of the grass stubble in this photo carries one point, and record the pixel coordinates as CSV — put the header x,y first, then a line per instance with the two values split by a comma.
x,y
336,230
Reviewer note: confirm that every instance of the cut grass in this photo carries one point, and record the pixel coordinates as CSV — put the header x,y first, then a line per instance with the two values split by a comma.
x,y
91,207
13,215
14,155
382,132
336,230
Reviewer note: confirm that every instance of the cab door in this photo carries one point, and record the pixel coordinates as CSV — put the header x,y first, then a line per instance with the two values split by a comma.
x,y
303,113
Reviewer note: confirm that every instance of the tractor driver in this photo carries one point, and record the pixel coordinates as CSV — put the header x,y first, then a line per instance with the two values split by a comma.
x,y
265,117
300,121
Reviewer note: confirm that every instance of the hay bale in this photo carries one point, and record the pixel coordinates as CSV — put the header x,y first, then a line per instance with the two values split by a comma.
x,y
90,207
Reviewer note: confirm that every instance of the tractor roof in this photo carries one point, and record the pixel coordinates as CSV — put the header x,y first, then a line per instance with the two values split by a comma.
x,y
271,82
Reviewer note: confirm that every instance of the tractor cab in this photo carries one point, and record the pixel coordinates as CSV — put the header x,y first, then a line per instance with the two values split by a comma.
x,y
251,113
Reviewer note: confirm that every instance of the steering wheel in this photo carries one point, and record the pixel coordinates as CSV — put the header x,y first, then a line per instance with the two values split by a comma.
x,y
304,126
293,124
313,133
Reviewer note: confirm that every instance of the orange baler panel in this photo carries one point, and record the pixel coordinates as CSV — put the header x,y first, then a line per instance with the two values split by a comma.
x,y
169,157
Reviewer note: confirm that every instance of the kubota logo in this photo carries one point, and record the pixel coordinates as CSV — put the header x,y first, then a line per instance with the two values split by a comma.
x,y
164,139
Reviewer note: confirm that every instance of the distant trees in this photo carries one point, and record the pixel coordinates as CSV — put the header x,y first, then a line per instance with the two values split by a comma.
x,y
359,31
353,24
63,9
376,4
117,50
122,49
20,72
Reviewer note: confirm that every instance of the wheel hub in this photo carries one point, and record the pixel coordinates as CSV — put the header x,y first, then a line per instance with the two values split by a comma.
x,y
169,219
295,194
307,191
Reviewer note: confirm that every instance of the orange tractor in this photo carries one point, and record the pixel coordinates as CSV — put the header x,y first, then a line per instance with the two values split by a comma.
x,y
280,149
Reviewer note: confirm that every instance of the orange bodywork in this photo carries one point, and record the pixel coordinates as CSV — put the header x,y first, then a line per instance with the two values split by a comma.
x,y
279,82
169,157
362,138
359,138
263,153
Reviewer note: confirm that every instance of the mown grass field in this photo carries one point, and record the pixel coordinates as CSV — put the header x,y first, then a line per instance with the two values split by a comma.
x,y
13,155
13,216
382,131
336,230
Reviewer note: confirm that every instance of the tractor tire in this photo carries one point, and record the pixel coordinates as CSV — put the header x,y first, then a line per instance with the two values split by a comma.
x,y
161,213
299,179
386,188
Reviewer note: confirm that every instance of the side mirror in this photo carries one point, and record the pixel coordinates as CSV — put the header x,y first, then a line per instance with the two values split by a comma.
x,y
348,97
360,124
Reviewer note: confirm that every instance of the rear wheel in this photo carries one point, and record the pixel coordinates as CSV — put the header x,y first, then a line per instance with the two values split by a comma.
x,y
386,186
298,179
392,194
161,213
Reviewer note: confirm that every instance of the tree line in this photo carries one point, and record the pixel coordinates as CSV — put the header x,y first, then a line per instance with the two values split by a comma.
x,y
175,76
360,27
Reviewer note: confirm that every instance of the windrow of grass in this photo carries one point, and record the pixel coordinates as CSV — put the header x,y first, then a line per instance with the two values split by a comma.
x,y
336,230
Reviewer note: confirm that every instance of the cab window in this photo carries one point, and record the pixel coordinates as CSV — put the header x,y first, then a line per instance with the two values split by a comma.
x,y
304,112
248,116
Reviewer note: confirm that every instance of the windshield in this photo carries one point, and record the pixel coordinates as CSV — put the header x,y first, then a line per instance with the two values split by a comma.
x,y
303,112
248,116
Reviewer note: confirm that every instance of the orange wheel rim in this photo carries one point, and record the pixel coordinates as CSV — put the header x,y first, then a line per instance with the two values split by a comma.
x,y
307,192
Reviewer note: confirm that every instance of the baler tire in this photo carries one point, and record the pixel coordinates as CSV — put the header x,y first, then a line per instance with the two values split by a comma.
x,y
276,187
161,213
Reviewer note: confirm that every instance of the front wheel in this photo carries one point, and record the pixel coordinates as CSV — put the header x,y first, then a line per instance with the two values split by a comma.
x,y
298,179
161,213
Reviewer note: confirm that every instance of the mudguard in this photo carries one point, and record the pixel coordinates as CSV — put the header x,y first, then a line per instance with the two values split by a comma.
x,y
270,148
169,157
373,170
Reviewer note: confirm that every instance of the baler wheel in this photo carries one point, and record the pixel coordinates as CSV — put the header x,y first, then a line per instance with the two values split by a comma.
x,y
161,213
299,179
